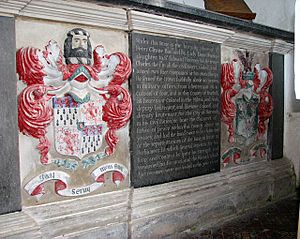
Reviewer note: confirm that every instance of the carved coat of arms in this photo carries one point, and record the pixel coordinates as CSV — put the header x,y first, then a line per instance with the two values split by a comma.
x,y
84,102
246,107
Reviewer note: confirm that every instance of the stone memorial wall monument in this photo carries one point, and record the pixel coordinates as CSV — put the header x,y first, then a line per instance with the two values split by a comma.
x,y
130,119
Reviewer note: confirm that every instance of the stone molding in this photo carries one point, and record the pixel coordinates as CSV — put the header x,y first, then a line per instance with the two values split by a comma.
x,y
93,215
18,225
248,42
146,22
67,11
116,18
12,7
281,47
192,14
157,211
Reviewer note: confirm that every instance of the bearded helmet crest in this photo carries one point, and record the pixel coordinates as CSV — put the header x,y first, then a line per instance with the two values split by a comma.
x,y
77,55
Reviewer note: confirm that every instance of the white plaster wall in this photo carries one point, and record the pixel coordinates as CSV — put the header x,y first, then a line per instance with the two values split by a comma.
x,y
291,141
292,149
297,48
292,118
274,13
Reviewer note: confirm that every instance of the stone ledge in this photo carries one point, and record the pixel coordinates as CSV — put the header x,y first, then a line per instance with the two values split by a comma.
x,y
68,11
18,225
164,25
95,214
252,43
156,211
116,18
192,14
12,7
204,201
282,47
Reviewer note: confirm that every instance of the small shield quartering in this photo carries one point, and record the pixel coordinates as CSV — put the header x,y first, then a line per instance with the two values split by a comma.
x,y
78,127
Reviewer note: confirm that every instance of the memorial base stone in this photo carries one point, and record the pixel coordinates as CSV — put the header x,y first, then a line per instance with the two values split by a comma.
x,y
164,210
201,202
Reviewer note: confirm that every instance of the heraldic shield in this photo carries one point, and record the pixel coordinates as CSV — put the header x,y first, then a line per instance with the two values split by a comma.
x,y
246,102
78,127
247,116
246,109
